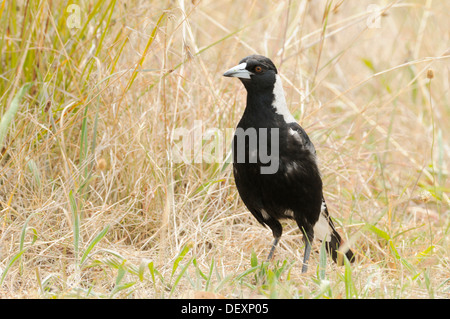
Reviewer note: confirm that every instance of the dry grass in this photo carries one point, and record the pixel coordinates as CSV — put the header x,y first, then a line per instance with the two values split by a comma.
x,y
93,205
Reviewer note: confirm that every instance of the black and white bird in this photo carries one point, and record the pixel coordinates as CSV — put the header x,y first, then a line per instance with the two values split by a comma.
x,y
293,190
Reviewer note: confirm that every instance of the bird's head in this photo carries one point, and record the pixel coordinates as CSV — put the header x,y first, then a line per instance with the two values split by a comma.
x,y
256,72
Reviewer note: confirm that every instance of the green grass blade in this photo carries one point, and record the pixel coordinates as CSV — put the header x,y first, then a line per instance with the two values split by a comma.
x,y
141,270
247,272
120,273
350,290
199,271
151,268
425,253
322,262
179,258
180,275
208,281
93,243
254,259
122,287
76,224
10,263
11,112
378,232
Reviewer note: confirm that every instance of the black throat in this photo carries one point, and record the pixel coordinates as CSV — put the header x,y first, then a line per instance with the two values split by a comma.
x,y
259,111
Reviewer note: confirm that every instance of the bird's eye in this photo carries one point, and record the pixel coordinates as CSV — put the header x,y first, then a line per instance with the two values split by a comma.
x,y
258,69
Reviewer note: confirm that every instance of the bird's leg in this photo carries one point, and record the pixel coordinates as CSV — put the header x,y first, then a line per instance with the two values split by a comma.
x,y
306,256
274,244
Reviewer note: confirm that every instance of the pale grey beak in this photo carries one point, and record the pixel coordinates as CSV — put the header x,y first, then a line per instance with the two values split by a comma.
x,y
239,71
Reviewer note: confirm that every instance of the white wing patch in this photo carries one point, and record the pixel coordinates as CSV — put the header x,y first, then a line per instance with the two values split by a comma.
x,y
296,135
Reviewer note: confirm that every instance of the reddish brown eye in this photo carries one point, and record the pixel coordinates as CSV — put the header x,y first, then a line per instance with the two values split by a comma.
x,y
258,69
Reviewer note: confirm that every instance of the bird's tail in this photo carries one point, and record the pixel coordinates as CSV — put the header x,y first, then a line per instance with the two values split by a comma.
x,y
335,247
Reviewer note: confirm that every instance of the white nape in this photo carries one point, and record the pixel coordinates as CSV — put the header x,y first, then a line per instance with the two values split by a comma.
x,y
279,102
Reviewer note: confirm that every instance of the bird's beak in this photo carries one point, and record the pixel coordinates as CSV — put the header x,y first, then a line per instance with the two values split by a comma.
x,y
239,71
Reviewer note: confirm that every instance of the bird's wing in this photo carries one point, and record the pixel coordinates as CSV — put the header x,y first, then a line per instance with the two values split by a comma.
x,y
299,137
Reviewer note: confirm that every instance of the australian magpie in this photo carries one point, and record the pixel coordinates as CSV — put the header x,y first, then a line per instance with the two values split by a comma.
x,y
287,184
